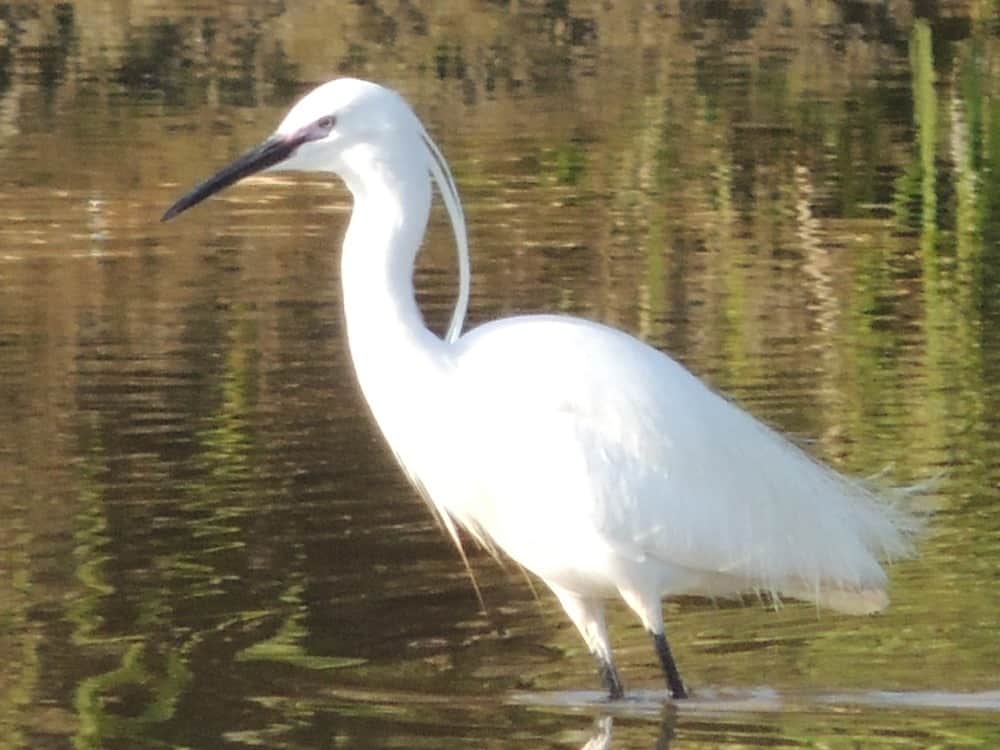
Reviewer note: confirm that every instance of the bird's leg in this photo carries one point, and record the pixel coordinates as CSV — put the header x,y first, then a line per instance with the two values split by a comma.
x,y
610,678
674,682
588,616
647,605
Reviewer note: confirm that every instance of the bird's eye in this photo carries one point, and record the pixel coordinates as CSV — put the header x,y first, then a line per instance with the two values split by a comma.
x,y
327,123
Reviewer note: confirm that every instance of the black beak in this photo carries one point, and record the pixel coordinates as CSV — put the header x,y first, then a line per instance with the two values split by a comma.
x,y
274,150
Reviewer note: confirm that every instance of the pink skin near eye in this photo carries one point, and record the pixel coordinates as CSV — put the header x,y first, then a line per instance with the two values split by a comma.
x,y
319,129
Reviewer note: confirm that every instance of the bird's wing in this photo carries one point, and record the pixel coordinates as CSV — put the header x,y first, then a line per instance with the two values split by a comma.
x,y
580,429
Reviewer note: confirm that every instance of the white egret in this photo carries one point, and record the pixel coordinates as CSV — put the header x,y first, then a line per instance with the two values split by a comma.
x,y
590,458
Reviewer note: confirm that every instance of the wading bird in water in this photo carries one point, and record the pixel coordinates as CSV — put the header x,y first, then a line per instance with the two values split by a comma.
x,y
593,460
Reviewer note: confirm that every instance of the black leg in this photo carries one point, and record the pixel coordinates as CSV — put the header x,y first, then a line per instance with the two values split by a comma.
x,y
674,682
610,678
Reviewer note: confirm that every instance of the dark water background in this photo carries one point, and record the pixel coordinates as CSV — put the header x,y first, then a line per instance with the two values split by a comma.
x,y
203,541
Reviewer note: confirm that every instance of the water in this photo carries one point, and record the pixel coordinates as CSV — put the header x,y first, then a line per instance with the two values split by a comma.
x,y
203,541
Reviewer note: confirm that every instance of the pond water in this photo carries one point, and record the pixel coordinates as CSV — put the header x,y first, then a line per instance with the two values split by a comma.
x,y
204,542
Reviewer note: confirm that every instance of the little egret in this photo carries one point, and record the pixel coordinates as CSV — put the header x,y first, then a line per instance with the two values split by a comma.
x,y
590,458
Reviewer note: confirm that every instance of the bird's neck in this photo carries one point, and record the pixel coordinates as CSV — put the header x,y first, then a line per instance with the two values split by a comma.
x,y
386,332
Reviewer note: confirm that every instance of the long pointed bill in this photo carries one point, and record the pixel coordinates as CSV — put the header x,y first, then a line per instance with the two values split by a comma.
x,y
274,150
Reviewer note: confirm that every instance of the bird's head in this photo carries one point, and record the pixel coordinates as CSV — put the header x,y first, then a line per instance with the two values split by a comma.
x,y
320,133
347,126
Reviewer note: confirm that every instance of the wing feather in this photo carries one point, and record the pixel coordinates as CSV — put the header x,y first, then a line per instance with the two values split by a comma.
x,y
595,436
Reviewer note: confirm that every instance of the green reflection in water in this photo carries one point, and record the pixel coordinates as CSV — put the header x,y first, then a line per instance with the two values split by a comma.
x,y
225,459
148,636
951,320
570,162
19,639
125,701
925,111
916,190
286,647
90,539
144,688
226,455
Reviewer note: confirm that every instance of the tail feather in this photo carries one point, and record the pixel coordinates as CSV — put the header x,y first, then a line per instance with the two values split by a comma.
x,y
850,602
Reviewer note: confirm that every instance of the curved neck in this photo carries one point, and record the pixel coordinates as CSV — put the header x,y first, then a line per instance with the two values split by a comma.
x,y
392,199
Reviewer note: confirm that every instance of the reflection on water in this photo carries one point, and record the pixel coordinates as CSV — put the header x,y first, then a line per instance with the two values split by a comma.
x,y
204,543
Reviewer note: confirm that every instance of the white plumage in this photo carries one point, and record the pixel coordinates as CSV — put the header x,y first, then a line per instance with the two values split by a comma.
x,y
590,458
